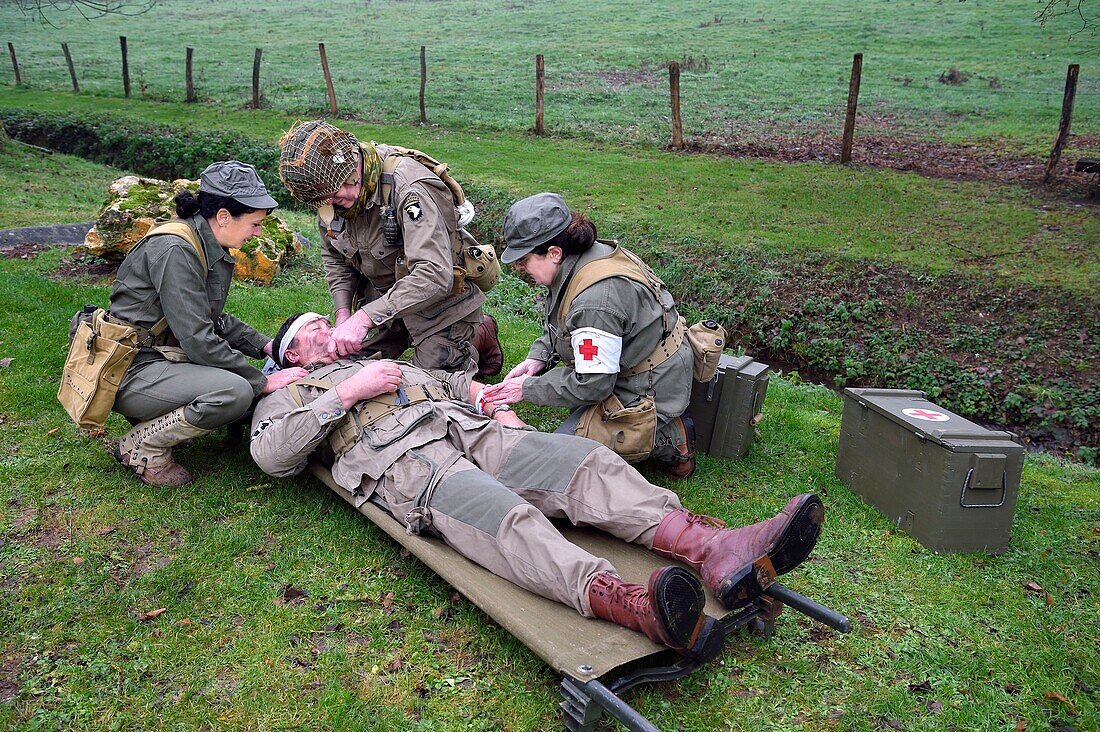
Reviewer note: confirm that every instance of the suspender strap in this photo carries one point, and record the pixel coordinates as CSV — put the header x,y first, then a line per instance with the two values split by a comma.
x,y
184,231
350,429
663,352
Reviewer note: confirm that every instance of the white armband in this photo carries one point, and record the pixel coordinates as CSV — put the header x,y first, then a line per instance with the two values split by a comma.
x,y
596,351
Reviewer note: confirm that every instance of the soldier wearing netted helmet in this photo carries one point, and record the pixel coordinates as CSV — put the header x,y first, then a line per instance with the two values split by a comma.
x,y
391,244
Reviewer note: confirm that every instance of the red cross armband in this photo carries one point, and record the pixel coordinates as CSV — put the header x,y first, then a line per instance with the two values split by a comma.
x,y
596,351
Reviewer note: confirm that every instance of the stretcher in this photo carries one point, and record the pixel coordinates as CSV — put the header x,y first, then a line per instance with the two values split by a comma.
x,y
598,660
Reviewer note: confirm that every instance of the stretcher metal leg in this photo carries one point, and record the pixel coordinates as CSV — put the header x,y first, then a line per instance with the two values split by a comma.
x,y
808,607
590,700
584,703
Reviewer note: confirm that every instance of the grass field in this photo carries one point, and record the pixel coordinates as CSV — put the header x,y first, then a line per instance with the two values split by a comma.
x,y
751,69
940,642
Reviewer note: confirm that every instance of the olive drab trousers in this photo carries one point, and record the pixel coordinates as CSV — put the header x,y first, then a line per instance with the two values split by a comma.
x,y
213,396
488,492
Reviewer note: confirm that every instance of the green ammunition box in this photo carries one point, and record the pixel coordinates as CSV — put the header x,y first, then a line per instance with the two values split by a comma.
x,y
950,483
727,408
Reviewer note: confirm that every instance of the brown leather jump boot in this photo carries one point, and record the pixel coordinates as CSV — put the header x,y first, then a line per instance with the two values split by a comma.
x,y
490,357
147,448
668,611
738,564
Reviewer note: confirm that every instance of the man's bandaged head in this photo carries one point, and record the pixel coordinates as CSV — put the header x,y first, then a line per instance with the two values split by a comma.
x,y
284,339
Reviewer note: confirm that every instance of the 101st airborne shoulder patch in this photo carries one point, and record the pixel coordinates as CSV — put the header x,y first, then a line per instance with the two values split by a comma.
x,y
412,207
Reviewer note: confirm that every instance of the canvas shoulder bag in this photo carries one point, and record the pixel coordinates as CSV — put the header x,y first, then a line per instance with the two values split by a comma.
x,y
102,347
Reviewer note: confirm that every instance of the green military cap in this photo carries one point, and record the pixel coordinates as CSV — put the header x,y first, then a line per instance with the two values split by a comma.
x,y
533,221
236,180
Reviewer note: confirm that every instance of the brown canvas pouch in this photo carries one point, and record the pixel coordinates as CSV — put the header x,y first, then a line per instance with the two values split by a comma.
x,y
629,431
707,339
99,355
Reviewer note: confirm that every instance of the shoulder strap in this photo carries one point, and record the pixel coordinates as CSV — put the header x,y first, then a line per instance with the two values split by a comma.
x,y
308,381
440,170
182,230
389,165
620,263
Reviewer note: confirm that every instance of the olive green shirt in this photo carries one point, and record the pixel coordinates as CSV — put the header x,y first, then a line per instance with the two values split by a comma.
x,y
622,307
163,277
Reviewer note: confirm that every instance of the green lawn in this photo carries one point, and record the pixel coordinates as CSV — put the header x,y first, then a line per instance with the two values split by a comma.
x,y
750,68
49,189
954,642
937,226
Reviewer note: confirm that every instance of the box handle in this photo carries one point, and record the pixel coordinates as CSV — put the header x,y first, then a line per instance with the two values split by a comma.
x,y
756,415
966,484
710,387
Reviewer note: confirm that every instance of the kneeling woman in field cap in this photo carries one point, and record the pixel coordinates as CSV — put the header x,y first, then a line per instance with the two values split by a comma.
x,y
194,375
611,323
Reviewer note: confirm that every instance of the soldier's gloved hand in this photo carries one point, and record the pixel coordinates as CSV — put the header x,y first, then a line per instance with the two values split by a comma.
x,y
283,377
508,391
347,337
527,367
377,377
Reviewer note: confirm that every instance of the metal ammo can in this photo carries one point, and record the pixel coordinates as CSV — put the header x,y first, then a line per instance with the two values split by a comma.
x,y
950,483
727,408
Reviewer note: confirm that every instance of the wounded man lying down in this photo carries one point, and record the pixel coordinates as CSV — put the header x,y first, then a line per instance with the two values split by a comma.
x,y
486,485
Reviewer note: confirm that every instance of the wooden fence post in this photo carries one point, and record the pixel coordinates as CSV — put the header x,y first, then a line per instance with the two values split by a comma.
x,y
850,113
69,63
1063,127
328,81
256,79
540,80
423,84
189,78
15,65
125,66
674,93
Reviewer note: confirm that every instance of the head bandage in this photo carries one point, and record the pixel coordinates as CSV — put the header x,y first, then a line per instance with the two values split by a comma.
x,y
292,332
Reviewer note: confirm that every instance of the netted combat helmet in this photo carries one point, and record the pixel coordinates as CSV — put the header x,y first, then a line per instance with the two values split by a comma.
x,y
315,159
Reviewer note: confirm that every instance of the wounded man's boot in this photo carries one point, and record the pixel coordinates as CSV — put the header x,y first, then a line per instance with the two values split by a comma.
x,y
147,448
669,611
739,564
490,356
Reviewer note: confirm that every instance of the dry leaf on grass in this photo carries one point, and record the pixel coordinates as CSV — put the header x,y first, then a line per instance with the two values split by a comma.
x,y
1055,696
144,617
290,595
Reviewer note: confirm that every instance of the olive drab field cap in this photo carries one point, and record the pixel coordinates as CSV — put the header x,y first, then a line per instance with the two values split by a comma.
x,y
533,221
236,180
315,159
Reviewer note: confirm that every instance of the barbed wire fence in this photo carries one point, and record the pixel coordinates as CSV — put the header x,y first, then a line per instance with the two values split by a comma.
x,y
45,71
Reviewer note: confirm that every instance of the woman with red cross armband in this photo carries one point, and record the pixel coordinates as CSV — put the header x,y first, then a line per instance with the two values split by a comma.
x,y
624,365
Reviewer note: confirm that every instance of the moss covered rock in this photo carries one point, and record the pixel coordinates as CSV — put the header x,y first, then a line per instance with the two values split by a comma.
x,y
135,205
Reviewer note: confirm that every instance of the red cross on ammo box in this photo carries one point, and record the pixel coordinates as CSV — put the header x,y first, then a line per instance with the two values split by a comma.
x,y
948,482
